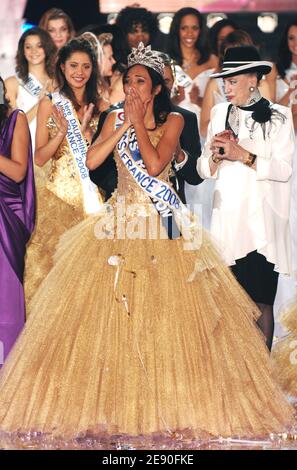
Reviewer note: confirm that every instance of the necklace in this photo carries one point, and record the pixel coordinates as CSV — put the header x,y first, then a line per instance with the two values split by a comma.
x,y
186,67
188,64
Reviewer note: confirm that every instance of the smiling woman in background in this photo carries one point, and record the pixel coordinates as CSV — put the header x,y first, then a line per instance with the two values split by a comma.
x,y
35,71
189,47
59,25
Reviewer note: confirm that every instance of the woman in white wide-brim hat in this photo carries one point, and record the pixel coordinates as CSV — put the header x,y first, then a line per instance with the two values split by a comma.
x,y
249,151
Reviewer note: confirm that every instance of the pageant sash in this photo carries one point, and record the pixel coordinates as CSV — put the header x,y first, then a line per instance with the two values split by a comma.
x,y
32,85
162,195
78,149
181,78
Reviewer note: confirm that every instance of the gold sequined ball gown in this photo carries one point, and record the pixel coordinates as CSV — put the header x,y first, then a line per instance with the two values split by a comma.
x,y
285,352
138,341
59,207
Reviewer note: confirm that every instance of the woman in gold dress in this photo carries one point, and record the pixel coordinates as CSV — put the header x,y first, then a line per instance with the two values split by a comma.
x,y
66,121
134,337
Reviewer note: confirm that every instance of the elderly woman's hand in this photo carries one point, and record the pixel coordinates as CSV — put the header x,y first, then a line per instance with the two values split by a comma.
x,y
227,148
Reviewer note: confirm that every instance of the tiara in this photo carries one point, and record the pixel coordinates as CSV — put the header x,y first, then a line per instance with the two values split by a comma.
x,y
94,43
145,56
105,38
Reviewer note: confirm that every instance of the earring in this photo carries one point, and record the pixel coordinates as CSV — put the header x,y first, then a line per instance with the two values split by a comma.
x,y
252,88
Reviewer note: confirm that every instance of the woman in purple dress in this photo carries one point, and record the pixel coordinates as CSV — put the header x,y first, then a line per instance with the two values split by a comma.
x,y
17,215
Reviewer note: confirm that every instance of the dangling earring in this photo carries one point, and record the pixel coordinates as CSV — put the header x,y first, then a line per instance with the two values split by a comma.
x,y
252,88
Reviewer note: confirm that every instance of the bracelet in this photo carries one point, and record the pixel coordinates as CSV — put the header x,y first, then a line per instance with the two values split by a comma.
x,y
216,159
250,159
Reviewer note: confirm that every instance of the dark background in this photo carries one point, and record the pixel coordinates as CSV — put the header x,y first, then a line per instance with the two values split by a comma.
x,y
82,12
85,12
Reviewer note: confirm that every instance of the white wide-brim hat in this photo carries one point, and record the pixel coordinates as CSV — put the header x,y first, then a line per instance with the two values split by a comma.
x,y
240,60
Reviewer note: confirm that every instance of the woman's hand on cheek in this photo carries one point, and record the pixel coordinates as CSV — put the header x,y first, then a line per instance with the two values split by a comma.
x,y
137,108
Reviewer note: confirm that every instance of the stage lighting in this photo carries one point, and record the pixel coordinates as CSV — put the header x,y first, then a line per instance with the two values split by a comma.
x,y
165,20
213,18
27,26
267,22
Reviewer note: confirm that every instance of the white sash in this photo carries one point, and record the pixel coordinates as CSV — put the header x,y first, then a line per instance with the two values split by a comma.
x,y
181,78
161,193
78,149
32,85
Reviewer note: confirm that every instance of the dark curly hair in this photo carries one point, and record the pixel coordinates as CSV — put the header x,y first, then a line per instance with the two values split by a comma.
x,y
162,102
4,107
50,50
129,17
91,92
202,43
284,57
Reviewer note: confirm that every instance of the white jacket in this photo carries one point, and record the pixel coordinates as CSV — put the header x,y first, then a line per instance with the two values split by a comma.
x,y
251,207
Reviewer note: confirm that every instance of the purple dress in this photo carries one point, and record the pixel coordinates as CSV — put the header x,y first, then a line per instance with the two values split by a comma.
x,y
17,216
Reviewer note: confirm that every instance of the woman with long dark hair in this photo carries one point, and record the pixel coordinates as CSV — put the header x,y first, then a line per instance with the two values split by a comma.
x,y
219,31
189,47
35,61
66,121
104,53
138,25
149,341
17,216
286,64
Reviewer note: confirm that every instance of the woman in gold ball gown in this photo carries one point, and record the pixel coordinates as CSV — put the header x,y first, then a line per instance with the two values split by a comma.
x,y
132,338
61,202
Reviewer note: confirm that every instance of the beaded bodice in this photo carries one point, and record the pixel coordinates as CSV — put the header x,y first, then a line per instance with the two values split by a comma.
x,y
127,187
63,178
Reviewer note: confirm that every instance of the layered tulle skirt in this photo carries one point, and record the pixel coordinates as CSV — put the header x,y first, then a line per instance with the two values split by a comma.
x,y
285,351
138,340
54,217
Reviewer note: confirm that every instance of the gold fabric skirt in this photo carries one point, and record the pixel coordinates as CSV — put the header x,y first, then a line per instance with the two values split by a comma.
x,y
285,352
54,217
139,340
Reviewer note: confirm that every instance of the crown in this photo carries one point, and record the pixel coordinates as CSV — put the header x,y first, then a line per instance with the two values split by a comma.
x,y
94,43
142,55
